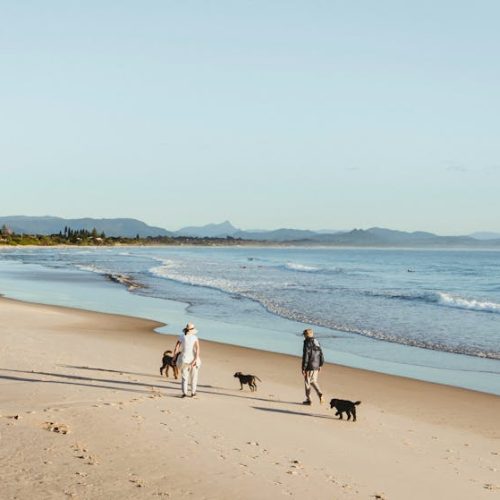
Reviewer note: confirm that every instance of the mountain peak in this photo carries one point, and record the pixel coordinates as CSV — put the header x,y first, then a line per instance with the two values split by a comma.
x,y
220,230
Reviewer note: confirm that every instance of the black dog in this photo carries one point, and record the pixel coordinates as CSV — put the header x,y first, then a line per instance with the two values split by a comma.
x,y
342,405
169,362
247,379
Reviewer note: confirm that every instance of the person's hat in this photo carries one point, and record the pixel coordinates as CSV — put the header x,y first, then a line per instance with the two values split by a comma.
x,y
308,332
189,328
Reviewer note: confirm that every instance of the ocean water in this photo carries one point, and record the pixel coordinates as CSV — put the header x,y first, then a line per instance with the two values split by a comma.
x,y
433,315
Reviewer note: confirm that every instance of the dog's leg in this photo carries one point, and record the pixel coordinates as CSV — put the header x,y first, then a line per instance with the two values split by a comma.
x,y
241,386
339,414
166,371
176,372
354,413
348,414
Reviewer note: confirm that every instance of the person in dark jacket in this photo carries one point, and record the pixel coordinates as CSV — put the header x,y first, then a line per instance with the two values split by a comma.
x,y
312,361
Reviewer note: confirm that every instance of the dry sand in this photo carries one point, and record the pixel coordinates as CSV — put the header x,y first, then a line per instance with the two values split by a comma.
x,y
85,414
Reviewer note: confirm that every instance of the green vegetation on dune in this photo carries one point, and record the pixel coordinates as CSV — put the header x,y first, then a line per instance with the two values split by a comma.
x,y
82,237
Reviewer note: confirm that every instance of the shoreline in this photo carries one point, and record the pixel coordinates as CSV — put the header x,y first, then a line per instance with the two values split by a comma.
x,y
373,380
172,336
459,370
129,434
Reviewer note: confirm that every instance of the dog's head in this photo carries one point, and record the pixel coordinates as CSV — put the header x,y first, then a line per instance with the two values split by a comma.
x,y
238,374
333,403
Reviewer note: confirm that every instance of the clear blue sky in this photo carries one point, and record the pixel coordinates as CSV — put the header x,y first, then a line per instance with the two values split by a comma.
x,y
311,114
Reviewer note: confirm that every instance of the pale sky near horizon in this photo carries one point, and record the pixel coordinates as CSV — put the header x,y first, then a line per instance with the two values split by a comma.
x,y
312,114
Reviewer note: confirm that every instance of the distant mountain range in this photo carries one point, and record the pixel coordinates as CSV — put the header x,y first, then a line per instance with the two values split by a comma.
x,y
485,236
357,237
376,237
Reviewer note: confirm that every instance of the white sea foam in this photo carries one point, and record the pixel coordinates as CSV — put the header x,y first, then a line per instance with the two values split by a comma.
x,y
449,300
293,266
91,268
169,270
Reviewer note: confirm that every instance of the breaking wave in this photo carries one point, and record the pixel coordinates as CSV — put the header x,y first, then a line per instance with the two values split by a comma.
x,y
442,299
168,270
449,300
292,266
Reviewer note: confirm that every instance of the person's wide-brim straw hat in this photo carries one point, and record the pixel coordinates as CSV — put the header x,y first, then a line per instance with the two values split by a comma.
x,y
189,328
308,332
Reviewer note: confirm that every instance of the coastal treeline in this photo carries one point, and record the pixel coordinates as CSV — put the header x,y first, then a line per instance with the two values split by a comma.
x,y
84,237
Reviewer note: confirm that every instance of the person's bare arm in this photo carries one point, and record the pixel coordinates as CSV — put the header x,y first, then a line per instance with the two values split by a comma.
x,y
176,350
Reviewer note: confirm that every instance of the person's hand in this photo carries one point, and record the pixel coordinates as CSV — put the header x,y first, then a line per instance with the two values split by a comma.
x,y
304,373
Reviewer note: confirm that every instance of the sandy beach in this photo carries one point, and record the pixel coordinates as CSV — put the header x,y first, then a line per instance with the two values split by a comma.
x,y
84,413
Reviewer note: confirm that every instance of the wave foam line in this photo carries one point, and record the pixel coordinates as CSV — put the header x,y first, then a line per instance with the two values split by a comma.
x,y
293,266
442,299
449,300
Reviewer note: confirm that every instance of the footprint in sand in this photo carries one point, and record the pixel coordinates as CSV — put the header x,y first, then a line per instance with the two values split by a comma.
x,y
55,427
138,482
491,487
12,418
92,460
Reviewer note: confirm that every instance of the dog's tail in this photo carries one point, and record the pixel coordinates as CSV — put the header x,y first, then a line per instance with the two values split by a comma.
x,y
258,378
357,403
167,352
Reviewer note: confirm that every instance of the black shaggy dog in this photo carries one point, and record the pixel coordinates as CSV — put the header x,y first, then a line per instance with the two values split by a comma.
x,y
169,362
342,405
247,379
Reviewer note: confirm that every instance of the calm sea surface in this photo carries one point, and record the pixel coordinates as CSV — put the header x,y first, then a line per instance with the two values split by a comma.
x,y
428,314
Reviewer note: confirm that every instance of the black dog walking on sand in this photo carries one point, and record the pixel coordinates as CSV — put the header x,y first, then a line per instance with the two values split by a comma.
x,y
342,405
168,361
247,379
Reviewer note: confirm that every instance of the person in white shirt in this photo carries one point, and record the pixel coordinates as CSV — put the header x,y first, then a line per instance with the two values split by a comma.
x,y
189,361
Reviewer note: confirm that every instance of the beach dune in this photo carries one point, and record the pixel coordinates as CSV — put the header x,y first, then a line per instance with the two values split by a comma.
x,y
84,413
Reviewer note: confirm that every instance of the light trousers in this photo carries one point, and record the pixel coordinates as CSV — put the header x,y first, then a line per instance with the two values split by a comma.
x,y
189,375
311,380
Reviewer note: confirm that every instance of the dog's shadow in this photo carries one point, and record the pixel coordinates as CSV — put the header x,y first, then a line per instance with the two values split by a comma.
x,y
292,412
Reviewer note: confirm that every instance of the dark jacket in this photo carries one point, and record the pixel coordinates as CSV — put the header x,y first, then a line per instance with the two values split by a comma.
x,y
312,356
